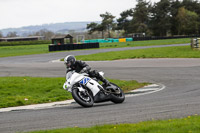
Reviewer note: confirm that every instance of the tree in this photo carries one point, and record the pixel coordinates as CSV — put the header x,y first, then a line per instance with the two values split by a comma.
x,y
191,5
1,35
92,27
12,34
45,33
139,23
194,6
161,18
193,23
107,22
187,22
125,20
175,5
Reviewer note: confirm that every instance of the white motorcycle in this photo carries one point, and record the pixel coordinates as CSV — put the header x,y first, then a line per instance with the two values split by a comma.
x,y
86,90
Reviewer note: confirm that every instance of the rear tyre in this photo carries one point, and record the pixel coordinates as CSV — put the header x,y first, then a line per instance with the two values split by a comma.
x,y
82,98
118,98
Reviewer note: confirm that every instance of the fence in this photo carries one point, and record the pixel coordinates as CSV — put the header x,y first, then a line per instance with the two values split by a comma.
x,y
159,38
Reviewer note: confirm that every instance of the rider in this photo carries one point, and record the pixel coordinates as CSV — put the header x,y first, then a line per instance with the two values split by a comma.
x,y
81,67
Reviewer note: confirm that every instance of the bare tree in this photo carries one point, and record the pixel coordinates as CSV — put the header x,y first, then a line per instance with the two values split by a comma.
x,y
12,34
45,33
1,35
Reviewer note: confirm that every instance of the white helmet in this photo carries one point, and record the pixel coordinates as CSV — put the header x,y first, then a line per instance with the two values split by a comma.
x,y
69,61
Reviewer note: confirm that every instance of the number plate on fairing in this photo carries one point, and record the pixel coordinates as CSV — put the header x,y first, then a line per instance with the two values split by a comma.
x,y
84,81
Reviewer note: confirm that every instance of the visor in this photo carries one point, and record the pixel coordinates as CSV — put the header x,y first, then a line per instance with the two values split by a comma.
x,y
67,64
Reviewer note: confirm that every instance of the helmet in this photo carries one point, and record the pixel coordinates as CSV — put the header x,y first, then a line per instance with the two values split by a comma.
x,y
69,61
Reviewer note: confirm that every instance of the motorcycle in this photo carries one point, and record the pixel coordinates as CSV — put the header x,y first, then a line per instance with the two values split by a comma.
x,y
86,90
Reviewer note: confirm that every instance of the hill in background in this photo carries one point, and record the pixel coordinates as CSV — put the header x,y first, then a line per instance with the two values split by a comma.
x,y
54,27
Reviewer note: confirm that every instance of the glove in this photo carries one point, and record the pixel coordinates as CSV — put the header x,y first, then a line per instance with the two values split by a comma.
x,y
84,70
68,69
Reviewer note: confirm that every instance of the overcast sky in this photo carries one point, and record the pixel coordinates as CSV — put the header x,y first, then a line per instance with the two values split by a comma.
x,y
17,13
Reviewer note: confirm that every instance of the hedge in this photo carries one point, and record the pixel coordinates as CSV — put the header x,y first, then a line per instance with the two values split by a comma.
x,y
17,43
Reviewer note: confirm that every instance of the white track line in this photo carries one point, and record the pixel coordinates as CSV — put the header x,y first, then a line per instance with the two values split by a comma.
x,y
152,89
145,93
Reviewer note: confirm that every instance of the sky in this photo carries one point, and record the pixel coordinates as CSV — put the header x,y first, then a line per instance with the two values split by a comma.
x,y
18,13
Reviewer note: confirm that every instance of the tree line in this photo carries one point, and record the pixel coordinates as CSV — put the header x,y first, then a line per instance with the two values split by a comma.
x,y
44,32
164,18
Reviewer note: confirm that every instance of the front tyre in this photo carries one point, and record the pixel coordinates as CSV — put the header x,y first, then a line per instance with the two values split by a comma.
x,y
118,98
82,98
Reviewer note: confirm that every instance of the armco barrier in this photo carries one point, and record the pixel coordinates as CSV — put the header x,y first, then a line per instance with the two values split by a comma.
x,y
160,38
73,46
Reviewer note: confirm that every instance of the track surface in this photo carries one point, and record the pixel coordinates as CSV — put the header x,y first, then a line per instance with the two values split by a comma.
x,y
180,98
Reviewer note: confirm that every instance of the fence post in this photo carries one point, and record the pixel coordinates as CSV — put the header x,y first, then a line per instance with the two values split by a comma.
x,y
192,43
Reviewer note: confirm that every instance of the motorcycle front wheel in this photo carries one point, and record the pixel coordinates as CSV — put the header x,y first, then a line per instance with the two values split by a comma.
x,y
82,98
118,98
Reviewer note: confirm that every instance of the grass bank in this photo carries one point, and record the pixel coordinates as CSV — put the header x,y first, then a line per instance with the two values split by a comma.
x,y
146,43
18,91
165,52
6,51
190,124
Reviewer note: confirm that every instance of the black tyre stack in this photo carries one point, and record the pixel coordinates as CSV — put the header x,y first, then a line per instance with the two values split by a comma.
x,y
73,46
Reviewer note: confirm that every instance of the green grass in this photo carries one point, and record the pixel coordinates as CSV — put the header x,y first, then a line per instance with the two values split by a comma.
x,y
18,91
146,43
190,124
6,51
15,90
165,52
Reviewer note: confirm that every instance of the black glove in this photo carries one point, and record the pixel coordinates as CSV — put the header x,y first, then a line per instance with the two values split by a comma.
x,y
84,70
68,69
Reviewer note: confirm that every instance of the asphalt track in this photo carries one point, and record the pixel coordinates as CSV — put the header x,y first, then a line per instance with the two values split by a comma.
x,y
180,98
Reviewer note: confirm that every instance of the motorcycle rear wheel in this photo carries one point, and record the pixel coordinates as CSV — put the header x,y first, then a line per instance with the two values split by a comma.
x,y
85,100
118,98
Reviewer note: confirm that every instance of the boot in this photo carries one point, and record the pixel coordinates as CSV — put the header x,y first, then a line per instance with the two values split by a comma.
x,y
106,82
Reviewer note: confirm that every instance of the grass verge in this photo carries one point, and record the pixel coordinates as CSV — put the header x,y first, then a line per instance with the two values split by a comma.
x,y
146,43
6,51
190,124
165,52
18,91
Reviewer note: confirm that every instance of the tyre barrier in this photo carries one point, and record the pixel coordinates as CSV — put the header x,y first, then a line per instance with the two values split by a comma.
x,y
72,46
160,38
